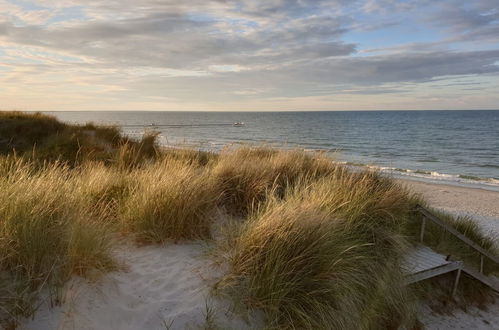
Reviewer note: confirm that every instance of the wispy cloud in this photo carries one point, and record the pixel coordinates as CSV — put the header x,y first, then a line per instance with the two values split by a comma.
x,y
216,54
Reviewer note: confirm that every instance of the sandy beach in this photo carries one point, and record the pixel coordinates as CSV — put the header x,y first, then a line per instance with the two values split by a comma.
x,y
479,204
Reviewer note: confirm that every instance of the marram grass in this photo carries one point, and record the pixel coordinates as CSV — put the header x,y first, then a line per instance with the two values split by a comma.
x,y
170,200
308,264
47,231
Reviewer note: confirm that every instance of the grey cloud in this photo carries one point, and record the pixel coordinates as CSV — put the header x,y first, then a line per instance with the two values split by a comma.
x,y
176,40
402,67
347,75
285,47
459,18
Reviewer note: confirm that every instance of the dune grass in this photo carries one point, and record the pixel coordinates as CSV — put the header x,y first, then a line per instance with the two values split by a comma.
x,y
42,138
47,232
313,244
326,255
170,200
246,175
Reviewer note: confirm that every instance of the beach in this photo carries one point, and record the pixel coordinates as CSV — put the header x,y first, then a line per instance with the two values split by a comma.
x,y
480,204
249,165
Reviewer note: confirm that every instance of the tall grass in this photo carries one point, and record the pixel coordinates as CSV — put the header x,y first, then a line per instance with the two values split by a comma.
x,y
247,175
131,154
42,138
47,231
310,262
22,131
170,200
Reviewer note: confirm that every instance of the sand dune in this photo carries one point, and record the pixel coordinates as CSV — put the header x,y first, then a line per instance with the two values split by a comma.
x,y
168,287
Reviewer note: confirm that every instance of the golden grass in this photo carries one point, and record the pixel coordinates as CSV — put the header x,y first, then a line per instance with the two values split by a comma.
x,y
308,262
170,200
248,175
47,231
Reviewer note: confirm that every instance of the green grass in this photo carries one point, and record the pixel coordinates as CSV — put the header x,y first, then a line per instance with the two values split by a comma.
x,y
310,243
43,138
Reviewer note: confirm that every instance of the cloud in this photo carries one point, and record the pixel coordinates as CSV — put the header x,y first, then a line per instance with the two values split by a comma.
x,y
233,50
176,40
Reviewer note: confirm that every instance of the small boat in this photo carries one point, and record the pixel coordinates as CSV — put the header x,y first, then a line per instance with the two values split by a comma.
x,y
238,124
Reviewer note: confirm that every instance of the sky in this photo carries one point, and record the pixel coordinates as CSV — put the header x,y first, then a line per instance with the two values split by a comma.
x,y
252,55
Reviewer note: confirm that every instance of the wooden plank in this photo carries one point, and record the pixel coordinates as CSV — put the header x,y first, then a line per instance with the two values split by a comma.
x,y
453,231
421,235
456,282
432,272
422,263
422,258
491,281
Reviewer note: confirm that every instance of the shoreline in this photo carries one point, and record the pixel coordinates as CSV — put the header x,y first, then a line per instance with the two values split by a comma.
x,y
480,204
481,201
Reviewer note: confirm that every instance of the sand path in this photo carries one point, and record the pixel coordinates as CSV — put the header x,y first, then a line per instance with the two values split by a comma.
x,y
164,287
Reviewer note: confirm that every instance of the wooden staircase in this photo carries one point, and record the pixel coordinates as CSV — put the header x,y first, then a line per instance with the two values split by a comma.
x,y
489,280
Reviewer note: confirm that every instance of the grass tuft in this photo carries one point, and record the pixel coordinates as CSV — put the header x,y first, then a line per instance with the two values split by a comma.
x,y
170,200
306,269
47,232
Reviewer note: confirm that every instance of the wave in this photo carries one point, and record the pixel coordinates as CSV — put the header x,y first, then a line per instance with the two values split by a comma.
x,y
489,166
428,175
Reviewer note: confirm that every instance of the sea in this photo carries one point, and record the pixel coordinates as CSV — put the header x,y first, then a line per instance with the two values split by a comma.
x,y
453,147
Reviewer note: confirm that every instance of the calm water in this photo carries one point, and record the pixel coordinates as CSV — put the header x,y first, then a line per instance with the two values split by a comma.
x,y
458,146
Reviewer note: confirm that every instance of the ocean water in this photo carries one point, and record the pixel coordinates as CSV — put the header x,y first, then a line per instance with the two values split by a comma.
x,y
460,147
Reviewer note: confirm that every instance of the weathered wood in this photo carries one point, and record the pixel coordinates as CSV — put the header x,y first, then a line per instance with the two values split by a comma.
x,y
422,263
491,281
429,273
423,224
453,231
456,282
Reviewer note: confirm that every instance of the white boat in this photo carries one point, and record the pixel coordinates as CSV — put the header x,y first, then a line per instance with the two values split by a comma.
x,y
238,124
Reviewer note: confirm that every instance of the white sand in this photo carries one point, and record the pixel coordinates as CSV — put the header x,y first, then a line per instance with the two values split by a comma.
x,y
473,318
166,285
483,207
